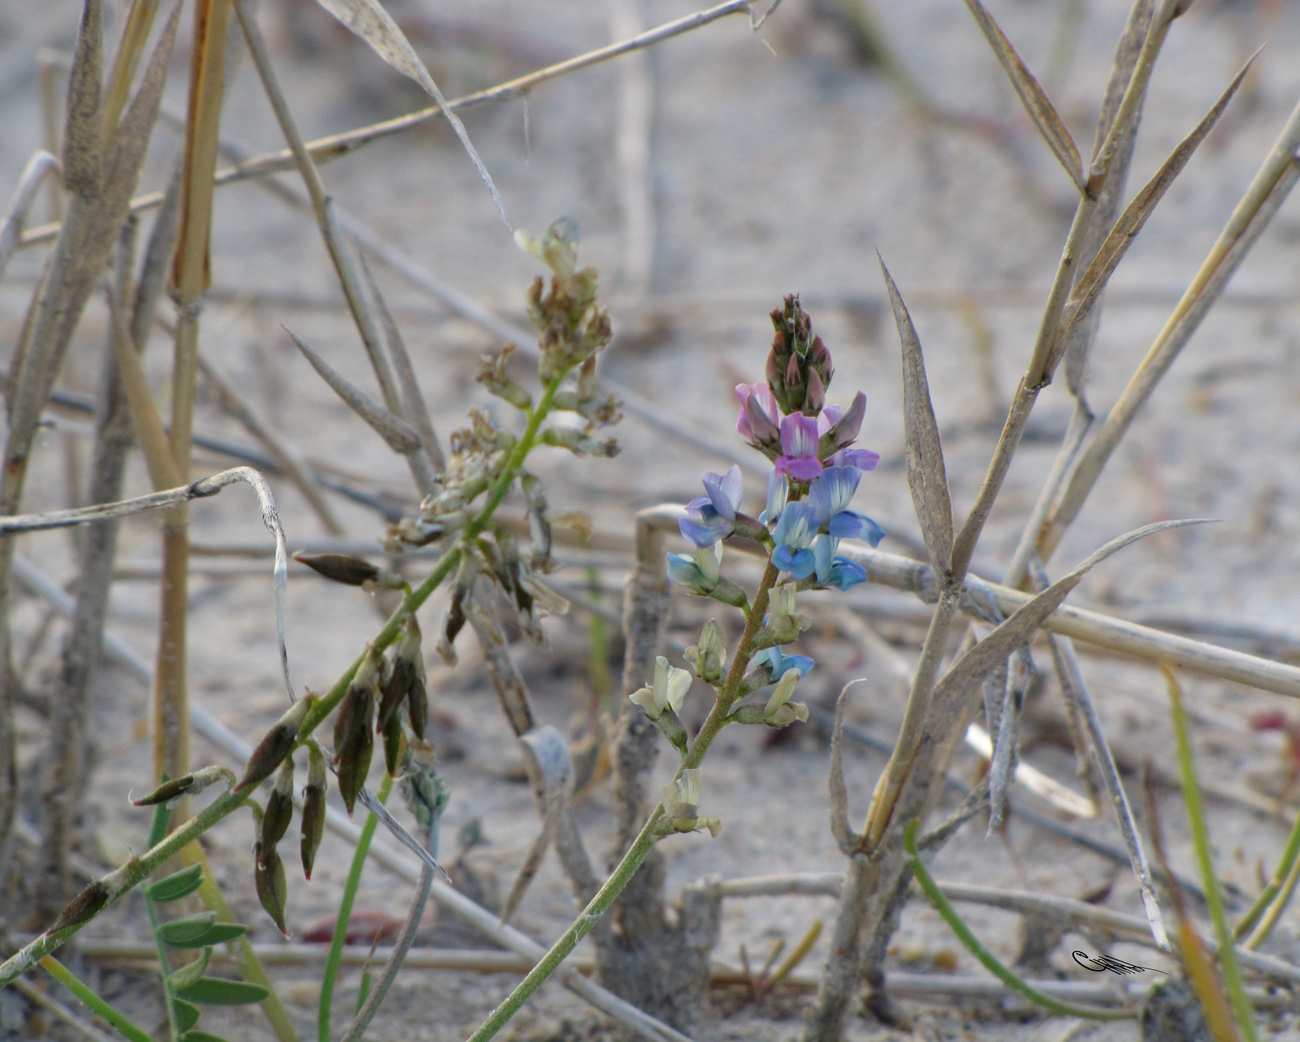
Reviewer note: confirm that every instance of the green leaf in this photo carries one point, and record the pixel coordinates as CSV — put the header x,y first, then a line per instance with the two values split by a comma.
x,y
214,991
217,933
177,885
200,1036
190,972
182,932
158,827
187,1014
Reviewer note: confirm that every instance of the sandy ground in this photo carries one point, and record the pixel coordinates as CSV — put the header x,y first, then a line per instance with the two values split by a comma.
x,y
771,169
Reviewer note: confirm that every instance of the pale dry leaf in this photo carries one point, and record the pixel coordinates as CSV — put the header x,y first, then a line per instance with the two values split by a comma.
x,y
976,663
368,20
1130,222
83,132
394,430
926,475
1032,96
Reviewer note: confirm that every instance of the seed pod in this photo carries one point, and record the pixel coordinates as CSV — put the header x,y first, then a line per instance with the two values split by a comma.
x,y
279,807
170,792
313,807
406,662
417,704
276,745
354,740
272,888
394,744
342,568
82,908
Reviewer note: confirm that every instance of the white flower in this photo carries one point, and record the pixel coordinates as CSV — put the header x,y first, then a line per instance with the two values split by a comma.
x,y
667,692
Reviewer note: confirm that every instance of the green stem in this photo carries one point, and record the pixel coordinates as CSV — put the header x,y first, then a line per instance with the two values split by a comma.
x,y
156,835
645,840
121,881
92,1001
345,913
1242,1011
1289,856
987,958
125,878
449,560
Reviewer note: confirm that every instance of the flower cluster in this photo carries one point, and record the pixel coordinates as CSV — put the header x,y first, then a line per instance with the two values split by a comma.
x,y
815,474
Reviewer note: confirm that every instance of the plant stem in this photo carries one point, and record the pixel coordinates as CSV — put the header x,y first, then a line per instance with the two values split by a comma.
x,y
645,840
92,1001
1241,1008
345,913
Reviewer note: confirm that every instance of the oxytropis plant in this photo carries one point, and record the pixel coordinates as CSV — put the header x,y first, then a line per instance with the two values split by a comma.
x,y
815,474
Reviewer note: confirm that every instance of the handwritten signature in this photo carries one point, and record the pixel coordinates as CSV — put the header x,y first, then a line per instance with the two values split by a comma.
x,y
1101,963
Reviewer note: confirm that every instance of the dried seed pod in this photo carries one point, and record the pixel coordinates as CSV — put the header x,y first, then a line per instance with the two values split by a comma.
x,y
313,807
82,908
272,888
394,744
407,661
354,741
276,745
170,792
417,704
341,568
279,807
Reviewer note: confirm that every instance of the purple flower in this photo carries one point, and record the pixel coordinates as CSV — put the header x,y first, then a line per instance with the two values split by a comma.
x,y
778,663
713,516
794,534
863,459
844,429
758,414
799,447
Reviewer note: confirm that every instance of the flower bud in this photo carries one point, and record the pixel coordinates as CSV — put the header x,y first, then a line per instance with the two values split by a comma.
x,y
815,395
780,711
276,745
272,888
709,657
279,807
681,796
313,807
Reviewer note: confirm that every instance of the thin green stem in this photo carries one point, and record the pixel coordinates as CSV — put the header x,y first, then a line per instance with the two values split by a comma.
x,y
156,835
645,840
345,913
122,880
987,958
1289,856
92,1001
1242,1011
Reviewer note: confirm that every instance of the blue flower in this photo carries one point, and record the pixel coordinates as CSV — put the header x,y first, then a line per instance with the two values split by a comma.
x,y
794,534
833,570
778,490
713,516
830,494
699,571
779,663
